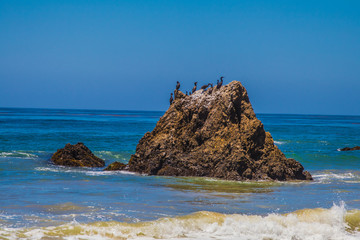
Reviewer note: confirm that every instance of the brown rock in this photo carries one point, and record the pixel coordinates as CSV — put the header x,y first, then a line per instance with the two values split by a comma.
x,y
77,155
215,134
115,166
350,149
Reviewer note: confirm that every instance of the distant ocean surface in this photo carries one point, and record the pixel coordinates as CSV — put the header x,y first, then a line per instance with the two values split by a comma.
x,y
39,200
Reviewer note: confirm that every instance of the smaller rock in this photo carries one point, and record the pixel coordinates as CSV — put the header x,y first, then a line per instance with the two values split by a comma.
x,y
115,166
350,149
77,155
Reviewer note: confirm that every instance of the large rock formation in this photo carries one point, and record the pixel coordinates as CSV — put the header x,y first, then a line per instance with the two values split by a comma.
x,y
77,155
213,133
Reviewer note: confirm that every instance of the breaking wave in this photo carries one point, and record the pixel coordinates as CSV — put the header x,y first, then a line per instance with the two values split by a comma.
x,y
326,177
319,223
279,142
86,171
17,154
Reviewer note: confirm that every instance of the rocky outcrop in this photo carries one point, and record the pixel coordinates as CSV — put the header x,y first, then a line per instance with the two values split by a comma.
x,y
77,155
115,166
213,133
350,149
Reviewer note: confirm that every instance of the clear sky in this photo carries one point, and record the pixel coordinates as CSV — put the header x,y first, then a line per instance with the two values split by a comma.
x,y
292,56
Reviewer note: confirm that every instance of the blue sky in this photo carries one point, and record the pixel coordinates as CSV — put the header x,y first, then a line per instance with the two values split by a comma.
x,y
292,56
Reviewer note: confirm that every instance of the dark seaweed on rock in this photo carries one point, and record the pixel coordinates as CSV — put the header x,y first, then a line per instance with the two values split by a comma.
x,y
77,155
213,134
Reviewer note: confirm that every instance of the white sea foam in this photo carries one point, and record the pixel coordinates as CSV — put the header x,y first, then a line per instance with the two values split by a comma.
x,y
83,170
314,224
56,169
279,142
17,154
101,173
5,217
324,177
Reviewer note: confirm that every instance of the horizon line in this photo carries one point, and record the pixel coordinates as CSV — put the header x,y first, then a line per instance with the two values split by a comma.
x,y
163,111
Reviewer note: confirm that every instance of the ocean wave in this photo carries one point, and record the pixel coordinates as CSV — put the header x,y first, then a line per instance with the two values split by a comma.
x,y
109,155
325,177
333,223
279,142
4,217
82,170
17,154
55,169
101,173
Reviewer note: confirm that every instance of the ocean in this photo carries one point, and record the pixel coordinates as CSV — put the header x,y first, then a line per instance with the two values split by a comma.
x,y
39,200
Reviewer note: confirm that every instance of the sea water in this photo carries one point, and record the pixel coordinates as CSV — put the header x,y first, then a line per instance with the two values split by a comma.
x,y
39,200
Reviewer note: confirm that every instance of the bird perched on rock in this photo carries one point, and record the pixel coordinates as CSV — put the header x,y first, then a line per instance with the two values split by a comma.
x,y
171,98
194,88
177,85
204,87
211,88
219,84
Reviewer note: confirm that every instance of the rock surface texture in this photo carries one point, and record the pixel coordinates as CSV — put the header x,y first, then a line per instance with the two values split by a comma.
x,y
77,155
115,166
213,133
350,149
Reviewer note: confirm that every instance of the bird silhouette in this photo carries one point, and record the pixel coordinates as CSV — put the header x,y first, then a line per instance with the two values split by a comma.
x,y
194,88
171,98
219,84
211,88
205,86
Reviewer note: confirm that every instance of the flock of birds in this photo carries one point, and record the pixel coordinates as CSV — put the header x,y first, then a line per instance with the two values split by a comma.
x,y
204,87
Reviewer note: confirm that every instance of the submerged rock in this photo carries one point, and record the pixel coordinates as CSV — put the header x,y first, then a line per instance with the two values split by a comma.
x,y
77,155
115,166
350,149
213,133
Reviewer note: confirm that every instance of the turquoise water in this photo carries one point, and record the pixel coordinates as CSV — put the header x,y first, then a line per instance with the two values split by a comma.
x,y
35,194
